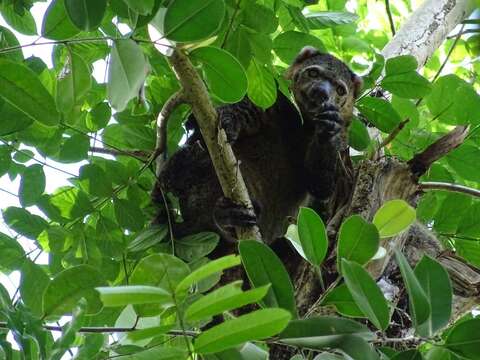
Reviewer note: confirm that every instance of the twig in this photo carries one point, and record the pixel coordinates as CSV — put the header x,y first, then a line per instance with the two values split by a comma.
x,y
393,134
162,120
468,31
457,37
115,152
433,185
94,329
390,17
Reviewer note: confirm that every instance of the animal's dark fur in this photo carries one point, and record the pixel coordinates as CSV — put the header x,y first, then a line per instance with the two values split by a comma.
x,y
285,161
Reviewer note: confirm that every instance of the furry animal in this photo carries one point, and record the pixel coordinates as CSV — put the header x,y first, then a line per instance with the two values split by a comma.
x,y
287,158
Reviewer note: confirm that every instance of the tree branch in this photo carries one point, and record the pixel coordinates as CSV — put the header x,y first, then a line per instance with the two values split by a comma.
x,y
101,330
390,17
420,163
115,152
433,185
162,120
221,154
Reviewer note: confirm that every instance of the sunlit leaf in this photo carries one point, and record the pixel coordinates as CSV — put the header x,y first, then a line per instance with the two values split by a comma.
x,y
256,325
393,217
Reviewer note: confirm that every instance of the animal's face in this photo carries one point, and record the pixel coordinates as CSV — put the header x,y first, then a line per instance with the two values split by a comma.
x,y
319,80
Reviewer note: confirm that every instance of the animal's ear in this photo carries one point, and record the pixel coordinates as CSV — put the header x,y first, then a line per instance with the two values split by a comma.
x,y
357,85
306,53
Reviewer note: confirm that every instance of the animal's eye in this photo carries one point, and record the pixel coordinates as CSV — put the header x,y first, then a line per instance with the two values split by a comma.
x,y
341,90
313,73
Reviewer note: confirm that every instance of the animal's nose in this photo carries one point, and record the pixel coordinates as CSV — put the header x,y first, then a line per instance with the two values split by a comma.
x,y
320,92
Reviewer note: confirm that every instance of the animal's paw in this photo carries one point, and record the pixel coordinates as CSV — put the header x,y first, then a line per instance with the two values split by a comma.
x,y
228,214
328,122
231,125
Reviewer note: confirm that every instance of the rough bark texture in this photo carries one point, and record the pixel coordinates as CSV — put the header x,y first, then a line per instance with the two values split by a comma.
x,y
427,28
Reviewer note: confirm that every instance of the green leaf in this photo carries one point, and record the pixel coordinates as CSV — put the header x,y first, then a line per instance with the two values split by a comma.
x,y
464,161
256,325
464,339
22,89
400,65
356,348
206,270
12,254
393,217
56,23
142,7
24,23
366,294
358,137
328,19
32,185
226,298
149,332
287,45
435,282
419,305
94,181
380,113
259,18
73,83
408,85
313,236
5,159
33,283
129,136
342,299
454,101
134,294
86,14
358,240
323,331
148,237
263,267
189,21
469,225
98,117
128,215
13,120
262,88
408,355
194,247
8,40
126,73
71,203
62,294
225,76
24,223
161,270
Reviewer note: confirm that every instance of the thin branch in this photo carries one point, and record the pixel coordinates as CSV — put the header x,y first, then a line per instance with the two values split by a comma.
x,y
433,185
468,31
136,153
168,108
457,38
35,159
94,329
393,134
390,17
